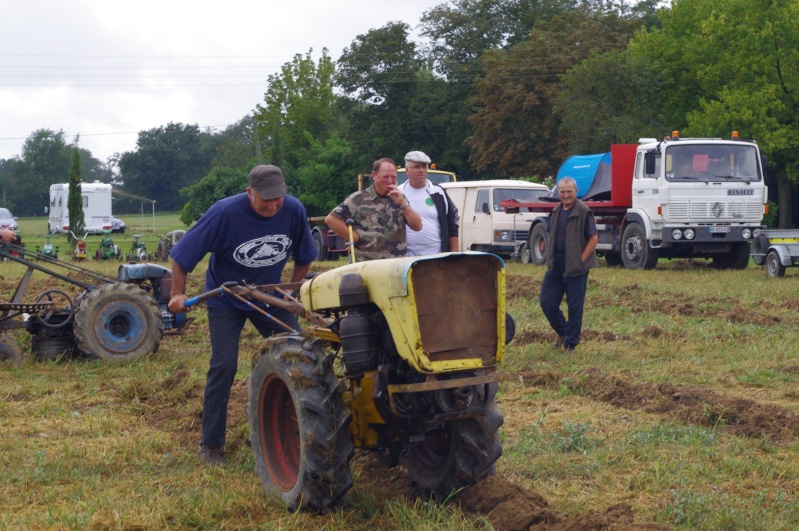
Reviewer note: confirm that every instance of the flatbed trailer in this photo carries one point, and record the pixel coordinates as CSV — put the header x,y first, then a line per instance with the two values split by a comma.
x,y
776,249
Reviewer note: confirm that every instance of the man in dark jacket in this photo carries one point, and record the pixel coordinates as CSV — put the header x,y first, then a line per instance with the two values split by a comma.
x,y
439,233
570,255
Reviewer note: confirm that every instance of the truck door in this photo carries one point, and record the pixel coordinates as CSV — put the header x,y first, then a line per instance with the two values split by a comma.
x,y
646,187
477,230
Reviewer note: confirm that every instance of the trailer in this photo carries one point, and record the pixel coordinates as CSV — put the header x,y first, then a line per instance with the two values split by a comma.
x,y
96,207
776,249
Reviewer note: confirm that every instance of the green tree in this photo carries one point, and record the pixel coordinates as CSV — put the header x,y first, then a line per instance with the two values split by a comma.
x,y
299,100
219,183
327,174
733,65
77,221
45,160
166,160
516,127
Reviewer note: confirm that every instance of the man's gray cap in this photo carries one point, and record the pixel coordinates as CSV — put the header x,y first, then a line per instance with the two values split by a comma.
x,y
417,156
267,180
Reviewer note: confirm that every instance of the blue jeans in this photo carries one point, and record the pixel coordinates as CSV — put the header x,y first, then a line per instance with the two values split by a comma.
x,y
553,288
225,325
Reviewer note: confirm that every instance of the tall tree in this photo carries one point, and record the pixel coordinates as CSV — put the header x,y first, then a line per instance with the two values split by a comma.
x,y
733,65
220,182
327,174
517,131
299,100
166,160
77,221
45,160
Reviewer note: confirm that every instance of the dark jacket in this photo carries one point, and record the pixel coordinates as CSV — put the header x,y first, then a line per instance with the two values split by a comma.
x,y
448,216
575,239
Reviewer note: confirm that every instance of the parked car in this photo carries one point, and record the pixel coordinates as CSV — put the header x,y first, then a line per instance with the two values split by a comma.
x,y
117,225
7,220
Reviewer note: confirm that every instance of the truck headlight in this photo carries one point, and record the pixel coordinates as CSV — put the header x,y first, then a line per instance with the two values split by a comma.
x,y
502,235
676,234
746,233
689,234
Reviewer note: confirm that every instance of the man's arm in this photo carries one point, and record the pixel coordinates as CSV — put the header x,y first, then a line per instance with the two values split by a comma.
x,y
300,271
589,247
339,226
177,295
412,217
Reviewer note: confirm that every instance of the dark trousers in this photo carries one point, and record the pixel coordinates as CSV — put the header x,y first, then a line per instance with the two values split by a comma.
x,y
225,325
553,288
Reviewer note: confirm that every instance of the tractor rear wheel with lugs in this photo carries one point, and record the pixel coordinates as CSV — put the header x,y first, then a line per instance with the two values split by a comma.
x,y
299,425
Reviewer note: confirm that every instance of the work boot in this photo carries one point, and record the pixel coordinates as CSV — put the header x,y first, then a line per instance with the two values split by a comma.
x,y
211,456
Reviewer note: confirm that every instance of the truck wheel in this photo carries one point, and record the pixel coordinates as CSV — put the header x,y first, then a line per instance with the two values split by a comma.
x,y
759,249
10,350
636,252
118,322
538,245
524,254
299,425
736,258
459,454
774,267
321,248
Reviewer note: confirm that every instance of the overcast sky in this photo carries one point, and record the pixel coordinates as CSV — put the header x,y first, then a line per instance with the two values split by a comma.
x,y
107,69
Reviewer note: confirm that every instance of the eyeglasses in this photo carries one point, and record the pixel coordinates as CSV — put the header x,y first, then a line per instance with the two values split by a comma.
x,y
417,167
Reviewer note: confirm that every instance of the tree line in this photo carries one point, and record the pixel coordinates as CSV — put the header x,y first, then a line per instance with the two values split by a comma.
x,y
492,89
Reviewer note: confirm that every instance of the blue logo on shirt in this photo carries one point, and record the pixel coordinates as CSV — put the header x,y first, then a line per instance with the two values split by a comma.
x,y
263,252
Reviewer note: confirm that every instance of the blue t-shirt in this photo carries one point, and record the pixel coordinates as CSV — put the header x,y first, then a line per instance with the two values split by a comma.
x,y
245,246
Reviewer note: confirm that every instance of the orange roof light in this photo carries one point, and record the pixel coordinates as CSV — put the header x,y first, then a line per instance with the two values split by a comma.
x,y
675,135
433,166
735,135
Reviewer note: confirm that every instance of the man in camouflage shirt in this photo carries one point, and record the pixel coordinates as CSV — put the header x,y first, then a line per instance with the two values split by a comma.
x,y
380,214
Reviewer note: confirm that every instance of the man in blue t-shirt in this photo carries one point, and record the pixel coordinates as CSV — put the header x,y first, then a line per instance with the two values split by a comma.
x,y
250,237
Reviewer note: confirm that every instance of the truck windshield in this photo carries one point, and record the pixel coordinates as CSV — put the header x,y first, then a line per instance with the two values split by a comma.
x,y
522,195
435,177
712,163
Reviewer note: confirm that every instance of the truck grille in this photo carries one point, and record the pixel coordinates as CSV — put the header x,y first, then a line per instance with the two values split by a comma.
x,y
456,305
713,210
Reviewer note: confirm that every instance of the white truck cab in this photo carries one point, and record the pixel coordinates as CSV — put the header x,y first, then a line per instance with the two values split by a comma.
x,y
484,225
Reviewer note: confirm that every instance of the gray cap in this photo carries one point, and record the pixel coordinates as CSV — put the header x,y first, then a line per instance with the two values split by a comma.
x,y
267,180
417,156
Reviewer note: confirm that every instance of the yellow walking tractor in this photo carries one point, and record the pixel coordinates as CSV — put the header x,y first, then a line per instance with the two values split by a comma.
x,y
401,358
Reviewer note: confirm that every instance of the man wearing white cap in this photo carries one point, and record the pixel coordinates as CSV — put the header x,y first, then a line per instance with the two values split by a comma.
x,y
439,215
251,237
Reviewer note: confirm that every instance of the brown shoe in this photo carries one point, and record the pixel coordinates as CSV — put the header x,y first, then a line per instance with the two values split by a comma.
x,y
559,342
211,456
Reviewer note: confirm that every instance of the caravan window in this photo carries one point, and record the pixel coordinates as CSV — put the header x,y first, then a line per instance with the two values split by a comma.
x,y
59,200
52,201
85,201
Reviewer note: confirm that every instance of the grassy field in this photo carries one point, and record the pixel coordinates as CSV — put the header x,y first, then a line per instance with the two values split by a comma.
x,y
679,409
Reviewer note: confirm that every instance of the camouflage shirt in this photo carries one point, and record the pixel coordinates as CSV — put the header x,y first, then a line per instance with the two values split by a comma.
x,y
379,222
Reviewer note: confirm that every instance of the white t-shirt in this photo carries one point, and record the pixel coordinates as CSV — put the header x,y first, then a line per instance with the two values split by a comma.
x,y
428,240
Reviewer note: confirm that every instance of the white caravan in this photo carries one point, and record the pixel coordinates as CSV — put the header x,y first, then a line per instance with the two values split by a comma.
x,y
96,207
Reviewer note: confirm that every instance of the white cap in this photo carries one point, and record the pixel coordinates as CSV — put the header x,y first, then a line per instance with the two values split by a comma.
x,y
417,156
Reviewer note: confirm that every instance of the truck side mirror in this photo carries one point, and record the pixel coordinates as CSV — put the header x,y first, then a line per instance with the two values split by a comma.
x,y
484,208
649,163
763,163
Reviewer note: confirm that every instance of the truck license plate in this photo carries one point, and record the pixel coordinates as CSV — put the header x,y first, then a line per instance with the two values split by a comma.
x,y
718,229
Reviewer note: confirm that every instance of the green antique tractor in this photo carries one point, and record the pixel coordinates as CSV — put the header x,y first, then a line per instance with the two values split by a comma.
x,y
401,358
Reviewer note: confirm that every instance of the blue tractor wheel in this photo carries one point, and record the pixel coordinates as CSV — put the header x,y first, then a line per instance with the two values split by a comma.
x,y
118,322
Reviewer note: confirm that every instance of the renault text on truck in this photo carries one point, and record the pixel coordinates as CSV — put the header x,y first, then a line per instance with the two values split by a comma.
x,y
96,207
674,198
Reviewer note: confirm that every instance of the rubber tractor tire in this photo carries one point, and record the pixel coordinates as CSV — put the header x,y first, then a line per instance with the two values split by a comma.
x,y
636,253
299,425
10,350
459,454
118,322
321,247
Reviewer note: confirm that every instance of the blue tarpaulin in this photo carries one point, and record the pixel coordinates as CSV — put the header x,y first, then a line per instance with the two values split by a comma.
x,y
591,173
